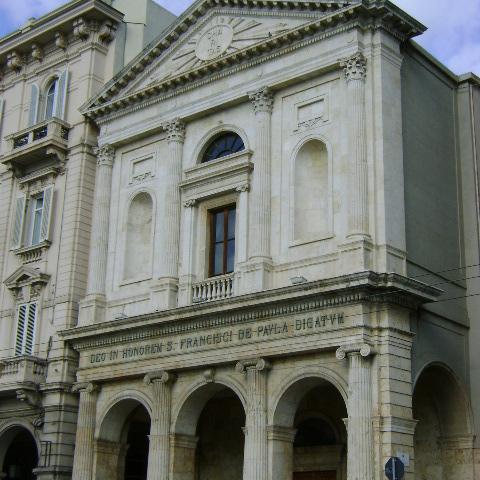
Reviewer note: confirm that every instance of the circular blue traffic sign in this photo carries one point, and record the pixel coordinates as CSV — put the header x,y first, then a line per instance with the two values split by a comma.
x,y
394,469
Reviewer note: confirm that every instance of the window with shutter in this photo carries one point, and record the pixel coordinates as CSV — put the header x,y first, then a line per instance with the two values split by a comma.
x,y
26,323
17,234
61,98
34,99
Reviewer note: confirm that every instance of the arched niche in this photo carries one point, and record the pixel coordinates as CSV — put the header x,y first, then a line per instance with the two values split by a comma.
x,y
122,442
311,217
19,453
208,437
443,438
139,241
307,432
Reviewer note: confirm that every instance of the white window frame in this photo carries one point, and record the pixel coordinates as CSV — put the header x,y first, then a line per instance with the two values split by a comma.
x,y
25,333
55,81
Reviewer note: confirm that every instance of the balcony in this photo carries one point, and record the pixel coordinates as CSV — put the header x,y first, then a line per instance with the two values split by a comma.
x,y
23,372
38,143
215,288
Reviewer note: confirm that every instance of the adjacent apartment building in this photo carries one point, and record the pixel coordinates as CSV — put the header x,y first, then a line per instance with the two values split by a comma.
x,y
48,69
262,254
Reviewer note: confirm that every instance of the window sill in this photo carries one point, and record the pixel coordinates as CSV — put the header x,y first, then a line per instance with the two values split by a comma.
x,y
32,253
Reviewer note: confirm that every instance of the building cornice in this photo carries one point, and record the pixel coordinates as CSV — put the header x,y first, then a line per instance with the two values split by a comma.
x,y
363,287
369,15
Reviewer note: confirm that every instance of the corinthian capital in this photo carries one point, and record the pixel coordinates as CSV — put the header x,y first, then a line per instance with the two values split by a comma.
x,y
175,130
262,100
105,155
355,67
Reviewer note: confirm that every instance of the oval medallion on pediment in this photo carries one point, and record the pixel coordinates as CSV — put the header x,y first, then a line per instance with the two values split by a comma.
x,y
214,42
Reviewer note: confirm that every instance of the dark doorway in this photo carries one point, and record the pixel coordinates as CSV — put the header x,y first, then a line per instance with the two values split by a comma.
x,y
21,457
315,476
136,460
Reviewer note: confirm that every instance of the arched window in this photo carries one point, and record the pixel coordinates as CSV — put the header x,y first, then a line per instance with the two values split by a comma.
x,y
225,144
50,99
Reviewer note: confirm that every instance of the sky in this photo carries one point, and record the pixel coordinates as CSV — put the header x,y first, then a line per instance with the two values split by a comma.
x,y
453,34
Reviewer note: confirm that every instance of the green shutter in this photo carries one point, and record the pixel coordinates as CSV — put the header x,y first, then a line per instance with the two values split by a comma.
x,y
17,233
34,99
46,213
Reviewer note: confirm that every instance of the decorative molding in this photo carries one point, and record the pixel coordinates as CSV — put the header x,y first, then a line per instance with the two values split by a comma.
x,y
160,376
355,67
37,52
190,203
262,100
88,387
105,155
107,31
60,40
243,188
81,29
175,130
209,375
14,61
30,397
259,364
364,350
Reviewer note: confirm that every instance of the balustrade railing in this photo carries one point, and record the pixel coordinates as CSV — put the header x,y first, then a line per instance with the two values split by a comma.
x,y
215,288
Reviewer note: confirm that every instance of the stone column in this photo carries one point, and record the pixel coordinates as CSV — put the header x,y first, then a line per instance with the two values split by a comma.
x,y
188,242
165,292
159,451
280,441
97,267
262,101
255,465
355,69
84,441
360,459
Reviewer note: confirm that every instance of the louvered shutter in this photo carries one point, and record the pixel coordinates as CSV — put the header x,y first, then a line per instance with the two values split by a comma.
x,y
46,213
30,329
34,99
61,96
21,325
17,233
2,103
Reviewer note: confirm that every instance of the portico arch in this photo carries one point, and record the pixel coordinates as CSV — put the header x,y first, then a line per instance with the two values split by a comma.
x,y
122,440
208,440
307,437
443,437
19,452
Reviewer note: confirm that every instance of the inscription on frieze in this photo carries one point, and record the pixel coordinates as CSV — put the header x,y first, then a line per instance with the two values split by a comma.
x,y
271,330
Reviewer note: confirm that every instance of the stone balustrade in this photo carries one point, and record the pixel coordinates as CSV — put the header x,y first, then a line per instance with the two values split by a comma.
x,y
215,288
24,370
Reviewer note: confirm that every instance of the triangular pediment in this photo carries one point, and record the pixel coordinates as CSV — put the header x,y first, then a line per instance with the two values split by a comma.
x,y
213,35
25,276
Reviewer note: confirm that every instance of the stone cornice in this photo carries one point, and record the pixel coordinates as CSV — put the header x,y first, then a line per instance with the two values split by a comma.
x,y
370,15
364,287
54,28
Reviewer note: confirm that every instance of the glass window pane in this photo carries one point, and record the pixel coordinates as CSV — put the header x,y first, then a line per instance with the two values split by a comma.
x,y
230,256
37,219
218,259
219,226
50,100
231,224
226,144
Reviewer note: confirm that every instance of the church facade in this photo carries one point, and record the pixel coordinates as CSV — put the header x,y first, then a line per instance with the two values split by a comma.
x,y
282,271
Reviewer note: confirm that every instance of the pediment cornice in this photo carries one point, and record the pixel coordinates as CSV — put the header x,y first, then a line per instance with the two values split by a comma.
x,y
366,14
24,276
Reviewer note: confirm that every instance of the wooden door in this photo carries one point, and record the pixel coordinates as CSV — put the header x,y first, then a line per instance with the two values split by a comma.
x,y
331,475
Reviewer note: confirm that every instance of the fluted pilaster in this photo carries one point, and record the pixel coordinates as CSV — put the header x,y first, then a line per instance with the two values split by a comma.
x,y
262,101
97,268
159,450
355,69
84,441
360,462
255,466
171,221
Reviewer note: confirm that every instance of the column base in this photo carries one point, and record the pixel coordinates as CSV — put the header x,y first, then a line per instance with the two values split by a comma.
x,y
185,290
257,275
92,310
356,254
164,294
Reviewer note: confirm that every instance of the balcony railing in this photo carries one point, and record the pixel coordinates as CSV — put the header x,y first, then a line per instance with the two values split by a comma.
x,y
21,371
215,288
45,138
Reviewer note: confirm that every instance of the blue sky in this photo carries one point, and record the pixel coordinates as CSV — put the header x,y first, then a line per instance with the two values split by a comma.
x,y
453,35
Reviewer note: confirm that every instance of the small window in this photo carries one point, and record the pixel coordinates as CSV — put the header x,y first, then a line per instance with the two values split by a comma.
x,y
223,145
26,320
222,240
50,99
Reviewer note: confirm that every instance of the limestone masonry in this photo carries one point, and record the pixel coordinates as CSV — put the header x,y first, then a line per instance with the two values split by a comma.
x,y
240,244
